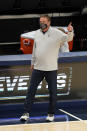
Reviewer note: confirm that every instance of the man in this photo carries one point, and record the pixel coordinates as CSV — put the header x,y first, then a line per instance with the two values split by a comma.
x,y
44,64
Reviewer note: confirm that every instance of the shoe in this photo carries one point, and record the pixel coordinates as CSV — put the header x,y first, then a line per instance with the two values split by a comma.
x,y
24,117
50,118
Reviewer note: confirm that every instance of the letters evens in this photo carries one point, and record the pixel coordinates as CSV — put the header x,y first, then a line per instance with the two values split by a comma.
x,y
21,83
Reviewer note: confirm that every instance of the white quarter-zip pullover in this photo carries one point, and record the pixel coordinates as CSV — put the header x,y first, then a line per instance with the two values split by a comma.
x,y
46,48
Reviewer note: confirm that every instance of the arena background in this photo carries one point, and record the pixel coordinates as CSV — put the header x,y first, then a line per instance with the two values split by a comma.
x,y
19,16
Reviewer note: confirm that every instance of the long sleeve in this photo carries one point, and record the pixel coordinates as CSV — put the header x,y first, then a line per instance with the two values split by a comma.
x,y
66,37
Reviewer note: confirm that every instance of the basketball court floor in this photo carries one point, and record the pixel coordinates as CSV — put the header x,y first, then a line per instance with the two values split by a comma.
x,y
69,116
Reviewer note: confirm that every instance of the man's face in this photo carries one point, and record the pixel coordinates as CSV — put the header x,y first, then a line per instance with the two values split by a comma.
x,y
44,22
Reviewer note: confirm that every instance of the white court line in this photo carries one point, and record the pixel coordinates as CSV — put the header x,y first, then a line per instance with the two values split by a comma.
x,y
70,115
83,121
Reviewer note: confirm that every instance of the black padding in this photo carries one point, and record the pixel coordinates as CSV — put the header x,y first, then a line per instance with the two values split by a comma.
x,y
29,4
6,4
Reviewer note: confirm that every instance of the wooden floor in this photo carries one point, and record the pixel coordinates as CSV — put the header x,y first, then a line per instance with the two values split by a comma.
x,y
53,126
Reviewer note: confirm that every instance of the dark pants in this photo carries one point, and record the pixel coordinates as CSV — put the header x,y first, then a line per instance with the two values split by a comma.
x,y
36,78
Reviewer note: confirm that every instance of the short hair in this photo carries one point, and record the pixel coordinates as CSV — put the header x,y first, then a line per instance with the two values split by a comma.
x,y
46,16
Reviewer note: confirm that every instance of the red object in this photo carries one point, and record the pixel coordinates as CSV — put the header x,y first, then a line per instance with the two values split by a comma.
x,y
70,45
26,45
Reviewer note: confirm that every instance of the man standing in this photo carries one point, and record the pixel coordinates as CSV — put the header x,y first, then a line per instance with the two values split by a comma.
x,y
44,63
